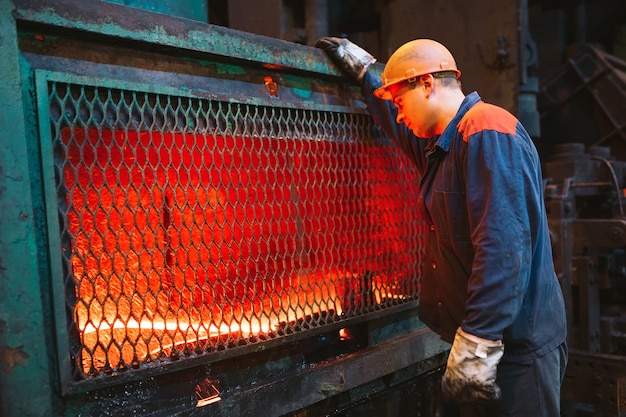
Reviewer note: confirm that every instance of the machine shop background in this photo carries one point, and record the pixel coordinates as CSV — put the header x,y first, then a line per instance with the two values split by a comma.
x,y
200,219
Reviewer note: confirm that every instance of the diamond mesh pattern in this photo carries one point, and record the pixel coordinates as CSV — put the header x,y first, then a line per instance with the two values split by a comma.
x,y
190,226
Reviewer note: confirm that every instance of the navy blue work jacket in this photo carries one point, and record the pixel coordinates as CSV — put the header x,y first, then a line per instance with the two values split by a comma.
x,y
488,264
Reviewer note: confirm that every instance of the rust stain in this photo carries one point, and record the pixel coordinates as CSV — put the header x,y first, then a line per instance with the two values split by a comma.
x,y
271,86
12,357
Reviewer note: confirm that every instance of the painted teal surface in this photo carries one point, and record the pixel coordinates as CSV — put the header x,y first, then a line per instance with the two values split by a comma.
x,y
199,37
189,9
230,69
300,86
25,347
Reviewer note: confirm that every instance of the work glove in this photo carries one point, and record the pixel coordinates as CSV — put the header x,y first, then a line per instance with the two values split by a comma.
x,y
471,371
350,58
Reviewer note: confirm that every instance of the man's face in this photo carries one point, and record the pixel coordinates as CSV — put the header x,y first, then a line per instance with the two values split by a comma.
x,y
411,102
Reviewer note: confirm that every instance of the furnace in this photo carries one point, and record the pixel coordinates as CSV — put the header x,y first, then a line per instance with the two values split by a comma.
x,y
221,229
188,226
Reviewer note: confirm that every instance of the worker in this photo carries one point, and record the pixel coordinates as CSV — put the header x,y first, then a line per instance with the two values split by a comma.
x,y
488,285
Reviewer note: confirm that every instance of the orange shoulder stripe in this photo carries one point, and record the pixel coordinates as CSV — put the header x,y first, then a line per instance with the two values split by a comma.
x,y
484,116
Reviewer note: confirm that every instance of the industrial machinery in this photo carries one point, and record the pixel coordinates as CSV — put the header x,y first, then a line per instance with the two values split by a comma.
x,y
585,192
197,221
200,221
586,217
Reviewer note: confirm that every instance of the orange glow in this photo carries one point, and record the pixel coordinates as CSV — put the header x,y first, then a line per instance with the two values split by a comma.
x,y
189,243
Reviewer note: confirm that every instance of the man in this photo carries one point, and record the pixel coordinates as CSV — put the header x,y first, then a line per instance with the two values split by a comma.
x,y
488,284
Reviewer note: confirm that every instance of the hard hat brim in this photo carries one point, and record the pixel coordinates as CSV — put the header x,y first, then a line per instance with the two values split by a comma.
x,y
383,93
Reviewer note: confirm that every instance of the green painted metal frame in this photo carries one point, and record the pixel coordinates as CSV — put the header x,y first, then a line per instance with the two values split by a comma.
x,y
166,31
52,221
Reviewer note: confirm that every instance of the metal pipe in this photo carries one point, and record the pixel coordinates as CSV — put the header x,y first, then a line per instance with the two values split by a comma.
x,y
316,15
581,23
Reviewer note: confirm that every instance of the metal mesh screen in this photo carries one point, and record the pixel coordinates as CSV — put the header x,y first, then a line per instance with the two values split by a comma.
x,y
190,226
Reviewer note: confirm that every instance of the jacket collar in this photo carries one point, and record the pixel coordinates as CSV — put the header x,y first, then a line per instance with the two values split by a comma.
x,y
444,140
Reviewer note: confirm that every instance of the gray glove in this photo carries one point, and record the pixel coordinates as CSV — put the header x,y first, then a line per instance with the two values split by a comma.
x,y
471,371
349,57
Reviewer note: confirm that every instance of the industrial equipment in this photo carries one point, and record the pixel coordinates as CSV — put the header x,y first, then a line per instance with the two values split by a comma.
x,y
585,191
201,221
197,221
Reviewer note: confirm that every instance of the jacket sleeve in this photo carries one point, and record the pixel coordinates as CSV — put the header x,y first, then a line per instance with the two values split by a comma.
x,y
385,114
503,203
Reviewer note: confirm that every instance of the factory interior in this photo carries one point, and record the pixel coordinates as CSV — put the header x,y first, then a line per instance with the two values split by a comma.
x,y
200,218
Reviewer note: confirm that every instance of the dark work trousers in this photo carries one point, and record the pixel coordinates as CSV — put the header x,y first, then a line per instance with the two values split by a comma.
x,y
529,389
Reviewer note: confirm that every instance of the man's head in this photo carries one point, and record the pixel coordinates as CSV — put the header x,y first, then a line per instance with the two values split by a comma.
x,y
421,78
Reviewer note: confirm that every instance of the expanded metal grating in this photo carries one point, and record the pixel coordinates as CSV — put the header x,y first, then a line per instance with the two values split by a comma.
x,y
189,226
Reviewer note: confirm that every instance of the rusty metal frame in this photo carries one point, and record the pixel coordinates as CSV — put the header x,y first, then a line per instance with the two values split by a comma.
x,y
54,243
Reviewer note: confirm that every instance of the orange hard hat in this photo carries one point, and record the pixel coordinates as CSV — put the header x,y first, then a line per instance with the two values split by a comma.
x,y
415,58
